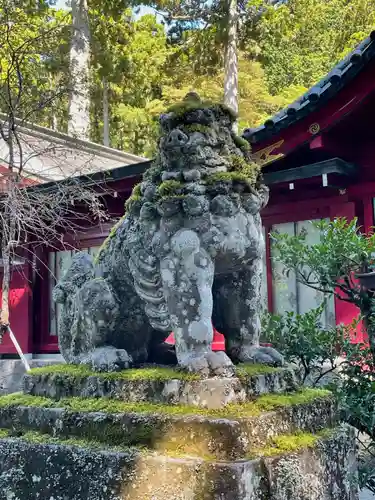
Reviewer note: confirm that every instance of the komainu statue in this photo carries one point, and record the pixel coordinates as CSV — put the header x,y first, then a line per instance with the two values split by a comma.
x,y
187,254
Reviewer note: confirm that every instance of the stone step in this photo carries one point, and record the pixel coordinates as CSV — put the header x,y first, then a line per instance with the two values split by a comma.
x,y
227,434
38,466
160,384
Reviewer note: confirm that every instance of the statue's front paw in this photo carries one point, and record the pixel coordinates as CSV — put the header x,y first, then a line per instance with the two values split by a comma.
x,y
107,359
208,364
261,355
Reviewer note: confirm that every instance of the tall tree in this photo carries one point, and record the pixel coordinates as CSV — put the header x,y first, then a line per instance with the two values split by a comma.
x,y
231,57
79,99
30,50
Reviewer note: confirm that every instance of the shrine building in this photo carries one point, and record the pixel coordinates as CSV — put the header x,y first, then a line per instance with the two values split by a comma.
x,y
319,162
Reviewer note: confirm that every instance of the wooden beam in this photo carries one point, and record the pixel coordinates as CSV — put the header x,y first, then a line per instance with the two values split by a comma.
x,y
332,166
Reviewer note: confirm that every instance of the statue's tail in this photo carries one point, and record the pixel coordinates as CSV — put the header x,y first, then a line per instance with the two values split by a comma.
x,y
80,271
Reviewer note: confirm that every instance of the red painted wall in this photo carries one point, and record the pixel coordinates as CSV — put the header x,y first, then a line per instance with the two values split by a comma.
x,y
20,312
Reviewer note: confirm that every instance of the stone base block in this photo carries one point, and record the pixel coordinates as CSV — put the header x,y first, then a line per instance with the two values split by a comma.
x,y
12,372
30,470
175,388
216,435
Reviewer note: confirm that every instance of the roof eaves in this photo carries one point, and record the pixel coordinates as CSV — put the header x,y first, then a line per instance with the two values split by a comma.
x,y
98,178
85,146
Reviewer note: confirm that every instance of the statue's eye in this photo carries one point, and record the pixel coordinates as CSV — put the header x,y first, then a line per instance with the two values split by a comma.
x,y
164,122
209,115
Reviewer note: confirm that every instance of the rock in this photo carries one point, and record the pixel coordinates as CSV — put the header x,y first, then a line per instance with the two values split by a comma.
x,y
67,472
212,392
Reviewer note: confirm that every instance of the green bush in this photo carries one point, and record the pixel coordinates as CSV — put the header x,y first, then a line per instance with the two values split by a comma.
x,y
303,341
330,267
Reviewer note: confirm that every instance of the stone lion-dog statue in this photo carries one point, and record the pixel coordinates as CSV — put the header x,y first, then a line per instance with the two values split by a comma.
x,y
187,254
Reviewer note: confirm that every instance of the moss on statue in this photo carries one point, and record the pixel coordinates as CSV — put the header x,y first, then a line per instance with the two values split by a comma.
x,y
153,173
227,177
241,143
135,196
4,433
250,170
112,234
265,403
193,104
197,127
169,188
179,109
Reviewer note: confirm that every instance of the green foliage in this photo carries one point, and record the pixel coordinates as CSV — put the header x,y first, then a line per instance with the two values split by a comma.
x,y
33,58
301,40
356,395
329,266
170,188
148,69
302,340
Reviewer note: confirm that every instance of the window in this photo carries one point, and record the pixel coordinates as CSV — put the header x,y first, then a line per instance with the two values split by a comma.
x,y
288,293
58,263
264,291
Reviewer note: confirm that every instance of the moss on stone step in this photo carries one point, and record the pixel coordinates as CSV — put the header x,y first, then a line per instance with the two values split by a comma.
x,y
244,371
36,437
83,371
42,438
265,403
290,443
279,445
149,373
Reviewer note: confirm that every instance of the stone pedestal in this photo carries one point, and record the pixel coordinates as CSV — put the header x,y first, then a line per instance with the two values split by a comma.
x,y
156,434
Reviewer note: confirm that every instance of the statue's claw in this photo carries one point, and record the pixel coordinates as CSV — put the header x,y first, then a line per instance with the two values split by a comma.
x,y
208,364
107,359
261,355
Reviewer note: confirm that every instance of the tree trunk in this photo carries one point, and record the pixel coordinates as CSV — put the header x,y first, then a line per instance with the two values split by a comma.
x,y
231,63
105,113
79,98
